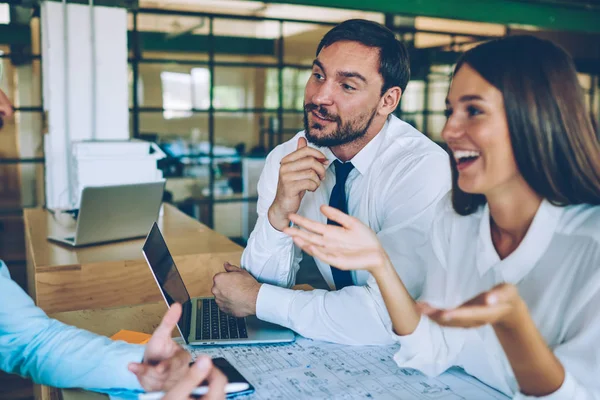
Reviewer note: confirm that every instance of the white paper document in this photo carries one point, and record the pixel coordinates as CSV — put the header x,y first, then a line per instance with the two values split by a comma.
x,y
310,369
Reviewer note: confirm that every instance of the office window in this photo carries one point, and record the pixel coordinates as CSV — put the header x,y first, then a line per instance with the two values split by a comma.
x,y
412,103
438,90
176,94
271,89
184,92
294,82
231,97
4,14
140,87
201,80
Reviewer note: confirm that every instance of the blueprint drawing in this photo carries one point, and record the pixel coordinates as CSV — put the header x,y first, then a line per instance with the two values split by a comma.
x,y
309,369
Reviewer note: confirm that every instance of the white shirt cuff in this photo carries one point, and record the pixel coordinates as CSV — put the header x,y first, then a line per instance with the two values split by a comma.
x,y
417,350
273,304
568,390
272,237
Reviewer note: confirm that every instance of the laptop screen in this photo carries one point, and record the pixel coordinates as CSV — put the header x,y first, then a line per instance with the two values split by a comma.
x,y
166,274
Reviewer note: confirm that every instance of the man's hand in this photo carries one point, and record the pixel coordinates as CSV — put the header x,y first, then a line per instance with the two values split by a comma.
x,y
165,362
236,291
202,369
302,170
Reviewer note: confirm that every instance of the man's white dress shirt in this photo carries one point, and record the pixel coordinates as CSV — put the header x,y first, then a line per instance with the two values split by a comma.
x,y
556,269
399,177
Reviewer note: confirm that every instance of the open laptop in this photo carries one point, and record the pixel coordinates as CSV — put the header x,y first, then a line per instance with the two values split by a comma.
x,y
110,213
201,322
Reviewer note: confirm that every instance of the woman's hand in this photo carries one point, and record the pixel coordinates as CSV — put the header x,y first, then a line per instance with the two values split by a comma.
x,y
499,306
537,370
352,245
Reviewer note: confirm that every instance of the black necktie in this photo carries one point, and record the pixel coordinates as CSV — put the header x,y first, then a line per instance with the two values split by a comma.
x,y
338,200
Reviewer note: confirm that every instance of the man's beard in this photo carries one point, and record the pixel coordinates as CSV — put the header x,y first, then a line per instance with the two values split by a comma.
x,y
346,132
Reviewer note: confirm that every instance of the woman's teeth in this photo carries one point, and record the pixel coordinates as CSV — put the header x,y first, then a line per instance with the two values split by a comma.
x,y
465,155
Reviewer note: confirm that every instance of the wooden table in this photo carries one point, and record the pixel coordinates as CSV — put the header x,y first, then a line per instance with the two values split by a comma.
x,y
61,278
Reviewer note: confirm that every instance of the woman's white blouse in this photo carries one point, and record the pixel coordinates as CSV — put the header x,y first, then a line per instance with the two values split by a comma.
x,y
556,269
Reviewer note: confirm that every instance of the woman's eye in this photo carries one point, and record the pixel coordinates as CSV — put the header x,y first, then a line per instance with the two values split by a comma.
x,y
347,87
318,76
473,111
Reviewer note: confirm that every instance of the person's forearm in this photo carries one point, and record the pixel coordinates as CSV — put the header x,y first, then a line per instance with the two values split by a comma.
x,y
399,303
535,366
350,316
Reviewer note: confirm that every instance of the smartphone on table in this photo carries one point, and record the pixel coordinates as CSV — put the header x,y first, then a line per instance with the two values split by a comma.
x,y
237,385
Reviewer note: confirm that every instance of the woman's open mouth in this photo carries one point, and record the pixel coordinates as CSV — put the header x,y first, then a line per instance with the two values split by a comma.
x,y
465,158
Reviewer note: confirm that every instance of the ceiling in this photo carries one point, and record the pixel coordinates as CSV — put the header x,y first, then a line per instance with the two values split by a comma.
x,y
568,3
559,15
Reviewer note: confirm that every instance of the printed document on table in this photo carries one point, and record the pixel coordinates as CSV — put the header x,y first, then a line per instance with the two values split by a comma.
x,y
310,369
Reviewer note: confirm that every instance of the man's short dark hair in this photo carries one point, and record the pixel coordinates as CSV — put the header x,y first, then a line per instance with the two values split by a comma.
x,y
394,65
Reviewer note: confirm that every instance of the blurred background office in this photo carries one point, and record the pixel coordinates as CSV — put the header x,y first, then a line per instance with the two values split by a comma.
x,y
217,84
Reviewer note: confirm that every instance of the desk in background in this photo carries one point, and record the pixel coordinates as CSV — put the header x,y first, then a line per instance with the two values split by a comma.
x,y
61,278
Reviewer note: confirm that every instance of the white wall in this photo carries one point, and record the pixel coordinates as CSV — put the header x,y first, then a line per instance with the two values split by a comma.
x,y
70,114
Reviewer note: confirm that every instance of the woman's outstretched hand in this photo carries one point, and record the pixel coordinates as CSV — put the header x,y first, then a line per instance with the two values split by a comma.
x,y
497,306
352,245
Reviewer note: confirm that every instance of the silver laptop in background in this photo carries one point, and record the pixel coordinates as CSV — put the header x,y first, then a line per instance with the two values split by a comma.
x,y
111,213
201,322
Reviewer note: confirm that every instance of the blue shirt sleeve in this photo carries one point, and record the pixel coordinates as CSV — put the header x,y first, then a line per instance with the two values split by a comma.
x,y
54,354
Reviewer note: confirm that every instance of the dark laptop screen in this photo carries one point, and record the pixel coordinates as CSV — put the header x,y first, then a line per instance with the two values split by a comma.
x,y
166,273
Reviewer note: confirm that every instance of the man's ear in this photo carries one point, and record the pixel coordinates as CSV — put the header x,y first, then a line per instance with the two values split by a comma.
x,y
390,100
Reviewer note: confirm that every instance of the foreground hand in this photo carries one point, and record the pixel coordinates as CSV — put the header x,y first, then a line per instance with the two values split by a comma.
x,y
302,170
236,291
165,362
497,306
203,369
352,245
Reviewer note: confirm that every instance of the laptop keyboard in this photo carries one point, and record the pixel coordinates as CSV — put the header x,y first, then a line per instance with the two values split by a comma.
x,y
211,323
